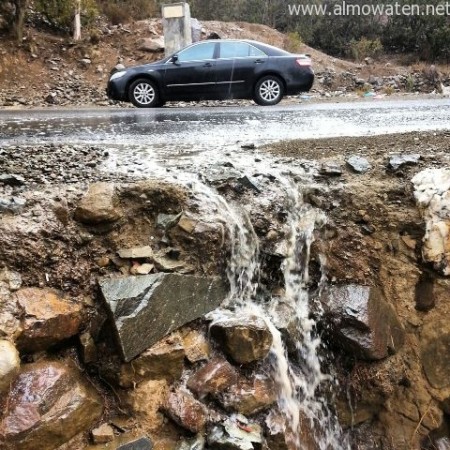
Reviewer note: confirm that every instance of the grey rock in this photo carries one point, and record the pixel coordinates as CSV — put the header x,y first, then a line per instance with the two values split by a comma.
x,y
231,436
331,169
12,180
358,164
167,221
151,45
398,161
13,204
145,309
364,324
197,443
142,443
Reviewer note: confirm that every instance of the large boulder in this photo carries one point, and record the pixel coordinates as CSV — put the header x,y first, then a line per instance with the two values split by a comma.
x,y
145,309
9,364
363,323
151,45
47,319
98,205
244,338
48,405
432,192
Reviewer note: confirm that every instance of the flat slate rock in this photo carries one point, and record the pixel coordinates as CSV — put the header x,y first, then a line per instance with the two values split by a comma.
x,y
144,309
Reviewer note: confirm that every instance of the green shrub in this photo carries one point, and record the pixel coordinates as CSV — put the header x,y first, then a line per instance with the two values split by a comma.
x,y
124,11
293,42
364,48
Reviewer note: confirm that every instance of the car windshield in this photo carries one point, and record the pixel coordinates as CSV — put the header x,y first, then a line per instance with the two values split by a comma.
x,y
198,52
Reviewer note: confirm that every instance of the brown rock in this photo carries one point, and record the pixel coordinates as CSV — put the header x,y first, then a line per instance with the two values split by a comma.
x,y
245,339
102,434
146,400
187,412
48,319
250,396
49,403
98,205
165,360
213,378
196,346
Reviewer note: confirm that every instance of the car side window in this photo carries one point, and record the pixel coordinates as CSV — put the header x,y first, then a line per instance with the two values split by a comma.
x,y
238,50
198,52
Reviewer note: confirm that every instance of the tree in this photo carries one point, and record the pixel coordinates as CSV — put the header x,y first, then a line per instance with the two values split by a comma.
x,y
77,21
20,9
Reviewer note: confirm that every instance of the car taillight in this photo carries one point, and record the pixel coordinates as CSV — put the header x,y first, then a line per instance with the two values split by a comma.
x,y
303,62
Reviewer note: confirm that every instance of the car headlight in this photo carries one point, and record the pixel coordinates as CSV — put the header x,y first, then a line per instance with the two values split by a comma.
x,y
117,75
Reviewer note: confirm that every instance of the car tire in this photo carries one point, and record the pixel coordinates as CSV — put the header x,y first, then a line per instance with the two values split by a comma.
x,y
144,93
269,90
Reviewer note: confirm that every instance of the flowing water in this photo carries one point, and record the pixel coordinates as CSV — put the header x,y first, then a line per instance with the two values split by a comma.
x,y
304,391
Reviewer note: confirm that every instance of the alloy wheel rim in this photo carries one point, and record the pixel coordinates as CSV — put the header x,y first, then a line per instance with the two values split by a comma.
x,y
144,93
270,90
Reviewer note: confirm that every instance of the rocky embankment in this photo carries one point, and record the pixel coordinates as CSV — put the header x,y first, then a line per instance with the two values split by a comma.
x,y
110,332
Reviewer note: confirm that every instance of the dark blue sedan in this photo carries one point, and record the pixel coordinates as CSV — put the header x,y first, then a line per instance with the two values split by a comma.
x,y
215,70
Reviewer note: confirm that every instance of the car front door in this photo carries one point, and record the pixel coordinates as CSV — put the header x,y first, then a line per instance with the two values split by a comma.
x,y
191,75
236,66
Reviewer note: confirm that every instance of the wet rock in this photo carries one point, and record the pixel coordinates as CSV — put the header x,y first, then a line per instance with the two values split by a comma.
x,y
165,360
151,45
48,319
187,224
61,406
186,411
245,339
136,252
358,164
12,180
215,377
235,434
98,205
142,443
145,401
102,434
432,193
88,348
195,346
52,98
9,364
424,294
365,325
167,221
330,169
249,397
197,443
435,344
144,309
397,162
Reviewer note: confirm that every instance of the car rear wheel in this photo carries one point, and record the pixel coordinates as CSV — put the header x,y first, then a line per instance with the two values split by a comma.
x,y
269,90
144,94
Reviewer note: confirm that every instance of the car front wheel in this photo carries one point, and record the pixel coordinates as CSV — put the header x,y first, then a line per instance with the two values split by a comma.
x,y
144,94
269,90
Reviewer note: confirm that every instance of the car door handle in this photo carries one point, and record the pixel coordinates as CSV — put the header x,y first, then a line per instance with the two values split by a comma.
x,y
207,65
259,61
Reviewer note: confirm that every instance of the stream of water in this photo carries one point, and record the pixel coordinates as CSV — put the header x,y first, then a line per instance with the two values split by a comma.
x,y
304,390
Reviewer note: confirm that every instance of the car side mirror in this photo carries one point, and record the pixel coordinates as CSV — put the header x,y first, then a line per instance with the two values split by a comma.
x,y
174,59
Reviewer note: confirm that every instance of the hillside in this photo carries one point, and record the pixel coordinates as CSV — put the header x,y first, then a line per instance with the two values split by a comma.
x,y
49,69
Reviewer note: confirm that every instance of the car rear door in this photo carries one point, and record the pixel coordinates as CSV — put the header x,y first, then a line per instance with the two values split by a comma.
x,y
236,66
192,75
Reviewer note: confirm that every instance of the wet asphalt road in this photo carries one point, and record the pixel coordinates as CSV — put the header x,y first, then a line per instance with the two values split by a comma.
x,y
207,132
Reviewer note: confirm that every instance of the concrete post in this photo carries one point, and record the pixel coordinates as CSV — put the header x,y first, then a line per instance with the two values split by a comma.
x,y
177,26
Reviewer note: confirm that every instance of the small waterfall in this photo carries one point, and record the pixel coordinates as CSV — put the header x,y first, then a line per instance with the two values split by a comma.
x,y
303,387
